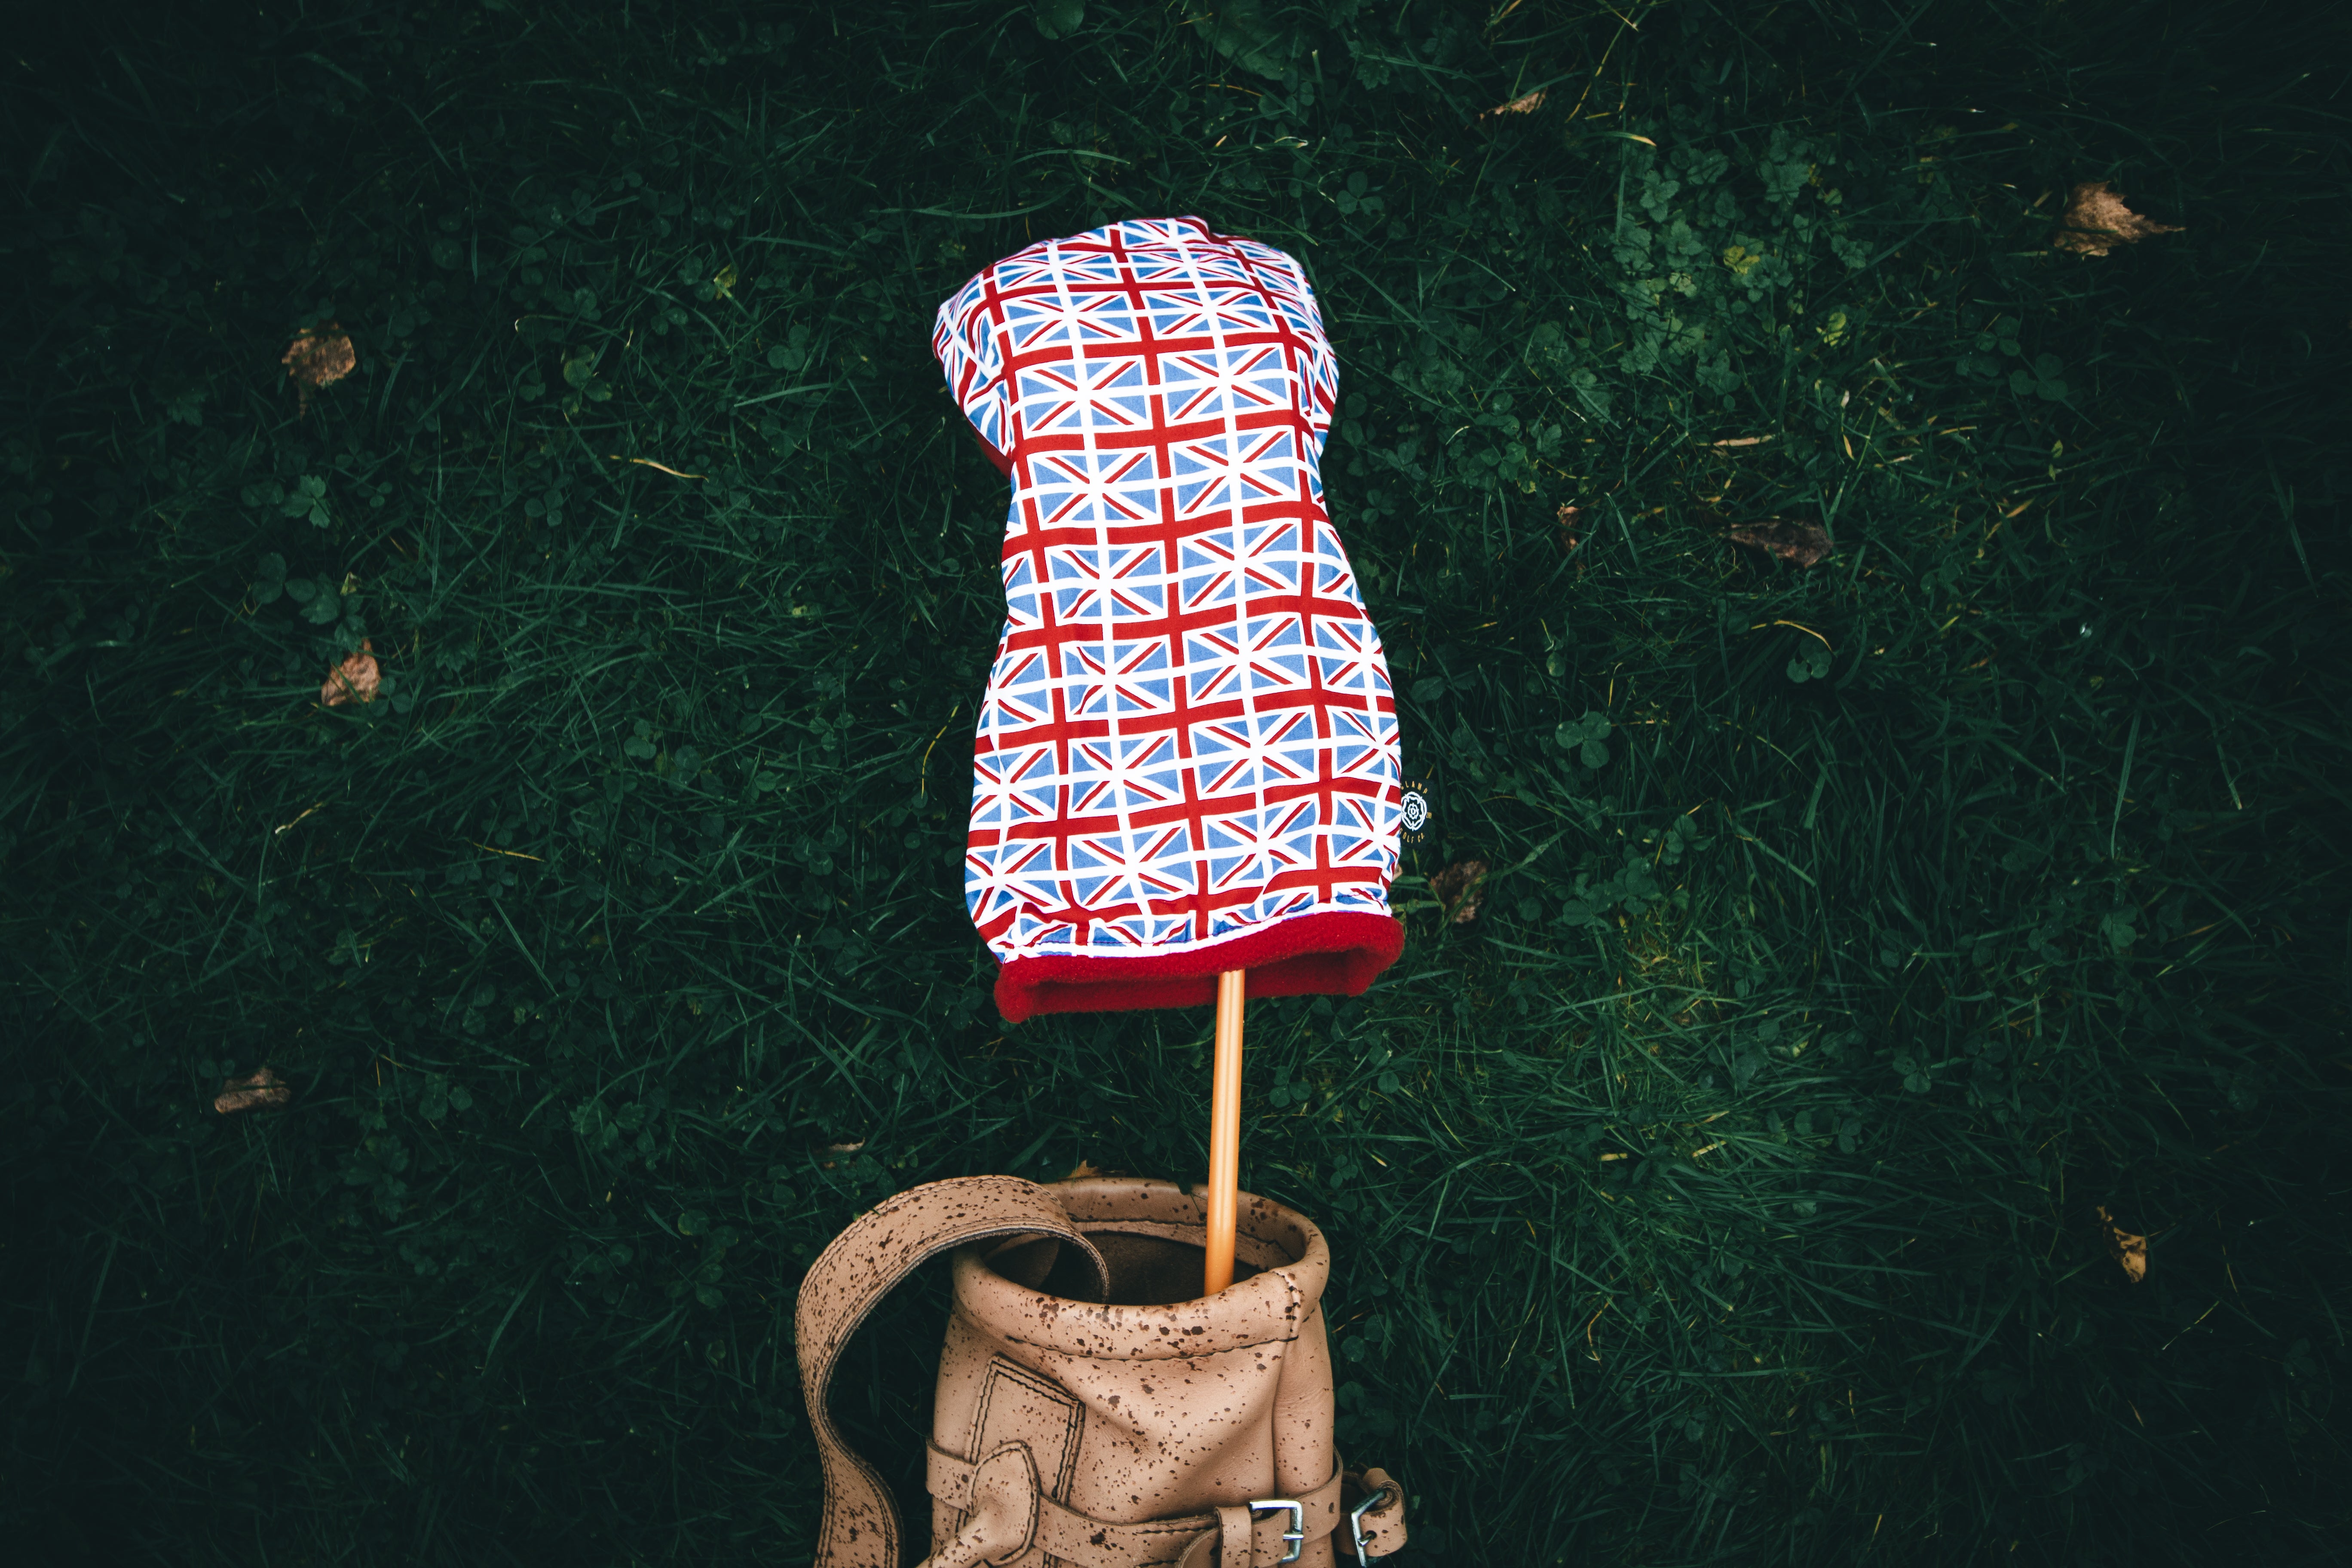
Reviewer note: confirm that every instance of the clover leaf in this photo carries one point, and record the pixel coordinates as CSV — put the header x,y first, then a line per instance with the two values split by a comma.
x,y
1057,18
269,580
2045,380
306,497
580,375
1914,1073
1358,198
1584,737
798,349
1243,32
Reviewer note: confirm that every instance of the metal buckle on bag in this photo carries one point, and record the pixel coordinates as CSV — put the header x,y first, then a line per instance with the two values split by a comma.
x,y
1296,1536
1356,1523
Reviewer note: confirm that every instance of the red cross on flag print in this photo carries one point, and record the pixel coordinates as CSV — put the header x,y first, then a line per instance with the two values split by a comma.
x,y
1187,755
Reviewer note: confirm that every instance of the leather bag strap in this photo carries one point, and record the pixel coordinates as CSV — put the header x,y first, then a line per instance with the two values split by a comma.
x,y
881,1247
1382,1524
1083,1541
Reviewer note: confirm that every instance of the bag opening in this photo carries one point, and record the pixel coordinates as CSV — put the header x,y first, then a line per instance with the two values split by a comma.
x,y
1145,1270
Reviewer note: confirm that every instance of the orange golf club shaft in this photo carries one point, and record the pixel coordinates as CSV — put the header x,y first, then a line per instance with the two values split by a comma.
x,y
1224,1133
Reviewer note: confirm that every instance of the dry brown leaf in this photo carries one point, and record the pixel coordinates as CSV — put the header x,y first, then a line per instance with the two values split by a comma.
x,y
355,677
263,1088
1459,887
318,357
1526,104
2129,1251
1081,1171
2096,221
1799,544
1571,519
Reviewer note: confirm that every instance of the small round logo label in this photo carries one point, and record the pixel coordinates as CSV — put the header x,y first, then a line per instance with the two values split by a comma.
x,y
1419,809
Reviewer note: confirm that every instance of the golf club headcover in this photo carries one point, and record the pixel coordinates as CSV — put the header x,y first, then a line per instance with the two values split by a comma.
x,y
1187,755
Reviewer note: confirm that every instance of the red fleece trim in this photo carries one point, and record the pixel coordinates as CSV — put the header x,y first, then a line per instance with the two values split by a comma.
x,y
1336,953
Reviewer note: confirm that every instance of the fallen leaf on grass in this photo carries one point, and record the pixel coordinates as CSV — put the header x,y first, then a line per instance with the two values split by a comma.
x,y
2129,1251
355,677
1081,1171
1571,518
318,357
1459,887
2096,221
1526,104
1799,544
263,1088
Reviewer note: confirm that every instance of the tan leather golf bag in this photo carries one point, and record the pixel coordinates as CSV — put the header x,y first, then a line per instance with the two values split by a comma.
x,y
1093,1410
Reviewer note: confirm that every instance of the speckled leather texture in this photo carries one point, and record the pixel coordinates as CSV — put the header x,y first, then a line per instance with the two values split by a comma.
x,y
1094,1411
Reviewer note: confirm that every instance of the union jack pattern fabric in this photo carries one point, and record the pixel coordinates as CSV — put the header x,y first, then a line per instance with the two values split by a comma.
x,y
1187,754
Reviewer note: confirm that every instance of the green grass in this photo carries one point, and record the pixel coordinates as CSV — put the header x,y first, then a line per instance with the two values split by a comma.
x,y
1726,1192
